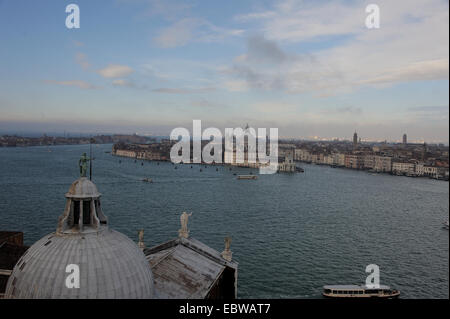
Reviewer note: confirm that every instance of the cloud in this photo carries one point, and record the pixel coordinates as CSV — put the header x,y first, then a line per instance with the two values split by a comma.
x,y
124,83
236,86
77,83
177,34
348,110
443,109
435,114
167,9
263,50
81,59
411,45
418,71
266,66
183,90
115,71
78,43
186,30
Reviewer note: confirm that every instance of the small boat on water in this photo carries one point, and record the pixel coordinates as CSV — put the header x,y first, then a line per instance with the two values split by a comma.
x,y
147,180
445,224
247,177
354,291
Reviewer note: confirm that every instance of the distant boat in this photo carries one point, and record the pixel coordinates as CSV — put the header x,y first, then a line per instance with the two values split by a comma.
x,y
354,291
147,180
446,224
247,177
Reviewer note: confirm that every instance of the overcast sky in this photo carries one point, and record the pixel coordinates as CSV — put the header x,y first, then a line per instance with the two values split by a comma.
x,y
310,68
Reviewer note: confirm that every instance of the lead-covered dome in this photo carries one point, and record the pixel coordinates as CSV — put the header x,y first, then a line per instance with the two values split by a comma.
x,y
83,188
110,264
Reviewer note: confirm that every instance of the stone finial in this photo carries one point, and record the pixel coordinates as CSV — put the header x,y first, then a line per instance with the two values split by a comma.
x,y
227,254
141,244
183,232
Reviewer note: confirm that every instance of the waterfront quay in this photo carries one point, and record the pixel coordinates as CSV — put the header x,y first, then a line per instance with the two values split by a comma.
x,y
400,159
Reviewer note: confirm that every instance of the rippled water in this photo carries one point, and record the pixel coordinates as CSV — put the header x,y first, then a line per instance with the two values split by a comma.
x,y
292,233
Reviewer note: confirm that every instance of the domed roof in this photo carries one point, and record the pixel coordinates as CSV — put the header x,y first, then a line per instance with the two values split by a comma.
x,y
83,188
110,266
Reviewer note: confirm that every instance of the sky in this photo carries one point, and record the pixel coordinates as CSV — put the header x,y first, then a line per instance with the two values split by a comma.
x,y
310,68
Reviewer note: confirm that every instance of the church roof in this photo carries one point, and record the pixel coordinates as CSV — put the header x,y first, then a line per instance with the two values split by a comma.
x,y
110,265
185,268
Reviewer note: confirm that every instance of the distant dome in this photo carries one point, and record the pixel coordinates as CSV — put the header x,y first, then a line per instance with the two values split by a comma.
x,y
83,188
110,264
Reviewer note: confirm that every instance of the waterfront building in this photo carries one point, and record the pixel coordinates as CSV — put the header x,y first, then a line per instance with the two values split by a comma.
x,y
430,171
328,160
404,168
382,164
125,153
405,139
288,164
355,139
369,161
302,155
419,170
354,161
339,159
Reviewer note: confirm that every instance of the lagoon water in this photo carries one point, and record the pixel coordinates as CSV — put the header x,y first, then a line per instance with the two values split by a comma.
x,y
292,233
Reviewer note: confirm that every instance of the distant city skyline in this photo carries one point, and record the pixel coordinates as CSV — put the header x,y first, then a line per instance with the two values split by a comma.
x,y
310,68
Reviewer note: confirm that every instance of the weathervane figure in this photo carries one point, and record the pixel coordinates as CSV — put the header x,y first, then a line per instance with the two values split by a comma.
x,y
82,163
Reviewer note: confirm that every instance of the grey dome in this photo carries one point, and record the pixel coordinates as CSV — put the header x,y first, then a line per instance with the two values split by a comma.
x,y
83,188
111,266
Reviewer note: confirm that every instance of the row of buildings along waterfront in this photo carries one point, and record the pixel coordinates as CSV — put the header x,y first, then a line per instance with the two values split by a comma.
x,y
160,151
399,159
408,159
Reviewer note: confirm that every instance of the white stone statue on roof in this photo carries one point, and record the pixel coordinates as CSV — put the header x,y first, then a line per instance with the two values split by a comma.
x,y
184,232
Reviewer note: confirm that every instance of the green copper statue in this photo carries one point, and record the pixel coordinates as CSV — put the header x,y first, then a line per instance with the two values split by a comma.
x,y
82,163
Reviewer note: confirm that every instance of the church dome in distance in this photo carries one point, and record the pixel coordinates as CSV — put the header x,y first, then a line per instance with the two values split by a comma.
x,y
108,264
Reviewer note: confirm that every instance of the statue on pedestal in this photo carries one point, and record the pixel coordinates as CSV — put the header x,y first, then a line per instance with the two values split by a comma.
x,y
227,254
141,244
183,231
